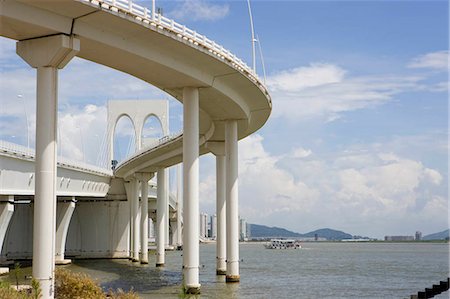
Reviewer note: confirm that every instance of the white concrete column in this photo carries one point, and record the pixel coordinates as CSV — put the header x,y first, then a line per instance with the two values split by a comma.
x,y
129,191
46,54
167,208
190,190
221,245
144,178
161,216
179,206
218,149
63,222
135,214
231,151
6,212
173,239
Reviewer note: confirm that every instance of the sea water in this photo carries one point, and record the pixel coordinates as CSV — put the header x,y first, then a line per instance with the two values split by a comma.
x,y
318,270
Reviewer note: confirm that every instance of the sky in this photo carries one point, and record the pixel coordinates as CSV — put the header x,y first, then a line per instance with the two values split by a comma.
x,y
358,136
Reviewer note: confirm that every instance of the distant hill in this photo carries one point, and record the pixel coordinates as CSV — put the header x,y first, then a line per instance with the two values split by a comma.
x,y
437,236
262,231
329,234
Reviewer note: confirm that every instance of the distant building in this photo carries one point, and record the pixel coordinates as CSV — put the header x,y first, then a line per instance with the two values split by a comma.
x,y
243,229
418,236
399,238
213,225
203,225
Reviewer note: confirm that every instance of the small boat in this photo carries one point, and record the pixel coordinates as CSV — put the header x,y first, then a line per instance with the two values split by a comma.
x,y
283,244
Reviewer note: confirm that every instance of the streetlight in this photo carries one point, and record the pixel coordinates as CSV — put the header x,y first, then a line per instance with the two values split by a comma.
x,y
253,36
19,96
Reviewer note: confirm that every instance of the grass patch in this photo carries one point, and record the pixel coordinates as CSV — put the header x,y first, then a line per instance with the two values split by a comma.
x,y
68,285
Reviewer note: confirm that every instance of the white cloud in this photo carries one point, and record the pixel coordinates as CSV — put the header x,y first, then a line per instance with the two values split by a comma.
x,y
365,192
435,60
82,134
297,79
325,91
433,176
301,153
200,10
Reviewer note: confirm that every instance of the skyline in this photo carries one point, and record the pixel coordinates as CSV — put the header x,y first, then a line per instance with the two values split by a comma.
x,y
358,136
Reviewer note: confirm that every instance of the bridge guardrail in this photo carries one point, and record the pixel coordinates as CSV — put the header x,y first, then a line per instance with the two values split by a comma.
x,y
152,145
29,153
145,15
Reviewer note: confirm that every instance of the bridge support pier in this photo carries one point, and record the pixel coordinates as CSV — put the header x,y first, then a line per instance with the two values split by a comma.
x,y
47,55
135,215
179,237
231,150
161,217
167,210
63,222
221,245
144,178
190,190
6,212
218,149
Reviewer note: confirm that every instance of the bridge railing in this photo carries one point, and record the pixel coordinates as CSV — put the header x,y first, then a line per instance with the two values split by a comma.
x,y
16,149
152,145
145,15
21,151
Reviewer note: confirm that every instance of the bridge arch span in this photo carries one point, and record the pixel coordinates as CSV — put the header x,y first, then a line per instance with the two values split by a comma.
x,y
124,129
138,111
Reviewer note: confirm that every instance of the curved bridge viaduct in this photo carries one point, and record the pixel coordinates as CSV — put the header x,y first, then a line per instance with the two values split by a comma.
x,y
223,101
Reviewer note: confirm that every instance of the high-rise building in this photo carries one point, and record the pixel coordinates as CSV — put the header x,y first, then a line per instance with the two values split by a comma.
x,y
418,235
214,226
203,225
243,229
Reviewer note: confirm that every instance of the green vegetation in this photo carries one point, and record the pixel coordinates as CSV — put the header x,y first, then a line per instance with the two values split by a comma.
x,y
68,285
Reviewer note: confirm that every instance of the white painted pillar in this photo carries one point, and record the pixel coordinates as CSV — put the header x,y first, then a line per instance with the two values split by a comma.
x,y
218,149
231,150
129,192
167,208
179,206
161,216
46,54
144,177
135,214
6,212
173,239
221,245
63,222
190,190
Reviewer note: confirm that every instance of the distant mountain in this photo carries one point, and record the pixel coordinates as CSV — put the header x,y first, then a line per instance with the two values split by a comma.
x,y
329,234
437,236
262,231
